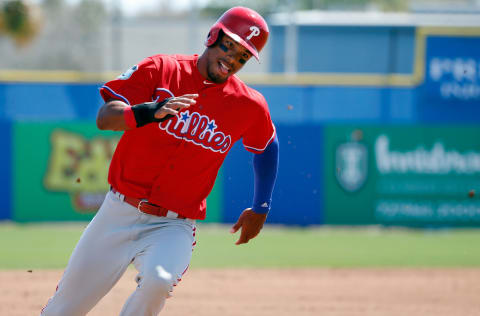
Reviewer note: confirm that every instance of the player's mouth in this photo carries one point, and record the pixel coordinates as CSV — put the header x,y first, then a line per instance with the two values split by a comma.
x,y
224,68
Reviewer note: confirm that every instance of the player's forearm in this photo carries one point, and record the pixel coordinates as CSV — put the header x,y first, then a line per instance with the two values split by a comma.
x,y
265,167
116,115
111,116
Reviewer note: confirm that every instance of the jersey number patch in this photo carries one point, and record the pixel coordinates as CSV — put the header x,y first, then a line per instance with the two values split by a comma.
x,y
127,74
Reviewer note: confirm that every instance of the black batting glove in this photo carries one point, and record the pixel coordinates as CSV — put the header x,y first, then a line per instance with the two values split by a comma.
x,y
145,112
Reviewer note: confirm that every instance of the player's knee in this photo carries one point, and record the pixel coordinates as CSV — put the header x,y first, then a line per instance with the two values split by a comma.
x,y
159,281
57,311
52,313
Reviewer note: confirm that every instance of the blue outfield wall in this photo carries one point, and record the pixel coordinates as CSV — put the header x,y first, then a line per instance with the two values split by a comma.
x,y
6,169
49,101
314,104
298,195
301,114
290,105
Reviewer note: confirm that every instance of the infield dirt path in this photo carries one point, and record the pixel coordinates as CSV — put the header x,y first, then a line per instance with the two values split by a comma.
x,y
276,292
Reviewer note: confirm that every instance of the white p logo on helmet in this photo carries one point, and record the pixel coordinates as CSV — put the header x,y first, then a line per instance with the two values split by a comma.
x,y
255,32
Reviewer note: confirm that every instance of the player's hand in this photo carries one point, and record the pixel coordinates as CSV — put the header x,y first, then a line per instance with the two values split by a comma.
x,y
175,105
251,223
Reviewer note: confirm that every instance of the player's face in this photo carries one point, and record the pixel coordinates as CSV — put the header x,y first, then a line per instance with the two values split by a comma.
x,y
225,59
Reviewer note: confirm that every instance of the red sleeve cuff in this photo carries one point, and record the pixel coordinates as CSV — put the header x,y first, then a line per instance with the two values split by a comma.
x,y
129,117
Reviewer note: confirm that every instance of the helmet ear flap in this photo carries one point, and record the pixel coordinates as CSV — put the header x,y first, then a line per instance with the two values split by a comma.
x,y
213,36
219,37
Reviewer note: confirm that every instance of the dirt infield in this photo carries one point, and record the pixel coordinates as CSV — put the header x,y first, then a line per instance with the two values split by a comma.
x,y
269,292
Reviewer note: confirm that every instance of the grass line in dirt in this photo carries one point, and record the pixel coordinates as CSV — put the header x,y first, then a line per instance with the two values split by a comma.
x,y
48,246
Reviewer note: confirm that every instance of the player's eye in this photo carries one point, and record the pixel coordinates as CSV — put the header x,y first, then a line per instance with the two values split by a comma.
x,y
243,59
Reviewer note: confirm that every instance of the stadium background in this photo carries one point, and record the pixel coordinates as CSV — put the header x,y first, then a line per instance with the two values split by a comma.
x,y
378,124
377,113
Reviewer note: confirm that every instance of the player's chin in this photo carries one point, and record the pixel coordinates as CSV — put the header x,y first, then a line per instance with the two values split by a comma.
x,y
217,77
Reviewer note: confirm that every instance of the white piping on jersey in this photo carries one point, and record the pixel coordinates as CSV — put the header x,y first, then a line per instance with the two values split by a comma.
x,y
166,90
271,138
116,94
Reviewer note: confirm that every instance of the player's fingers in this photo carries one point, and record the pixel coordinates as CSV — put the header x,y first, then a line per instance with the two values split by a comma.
x,y
161,113
177,105
236,227
243,238
180,100
189,96
183,100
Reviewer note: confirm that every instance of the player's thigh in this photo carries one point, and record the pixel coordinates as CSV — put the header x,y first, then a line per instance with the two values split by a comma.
x,y
167,253
97,262
106,247
107,239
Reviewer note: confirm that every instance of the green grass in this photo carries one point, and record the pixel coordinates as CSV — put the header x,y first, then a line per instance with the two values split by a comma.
x,y
49,247
341,247
37,246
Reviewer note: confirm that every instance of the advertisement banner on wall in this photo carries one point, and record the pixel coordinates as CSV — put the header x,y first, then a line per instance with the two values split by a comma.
x,y
451,89
402,175
453,68
61,169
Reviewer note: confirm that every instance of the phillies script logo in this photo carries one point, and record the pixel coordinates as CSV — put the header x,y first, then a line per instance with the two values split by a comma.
x,y
198,129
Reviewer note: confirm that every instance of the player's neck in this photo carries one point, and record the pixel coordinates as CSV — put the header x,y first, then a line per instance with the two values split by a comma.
x,y
202,65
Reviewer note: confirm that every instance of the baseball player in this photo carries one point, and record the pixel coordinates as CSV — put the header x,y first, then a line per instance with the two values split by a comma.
x,y
180,116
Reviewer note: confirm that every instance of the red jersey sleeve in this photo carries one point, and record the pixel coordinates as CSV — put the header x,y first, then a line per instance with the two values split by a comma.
x,y
136,85
262,131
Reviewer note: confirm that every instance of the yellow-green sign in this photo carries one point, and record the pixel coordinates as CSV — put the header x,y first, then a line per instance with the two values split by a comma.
x,y
61,171
79,166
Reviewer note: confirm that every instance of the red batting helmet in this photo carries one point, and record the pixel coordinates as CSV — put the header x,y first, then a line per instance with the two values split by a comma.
x,y
245,26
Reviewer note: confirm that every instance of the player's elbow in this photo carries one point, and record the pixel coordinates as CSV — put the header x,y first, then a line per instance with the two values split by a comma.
x,y
102,119
101,125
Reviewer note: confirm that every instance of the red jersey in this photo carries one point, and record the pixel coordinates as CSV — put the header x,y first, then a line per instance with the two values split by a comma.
x,y
174,163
